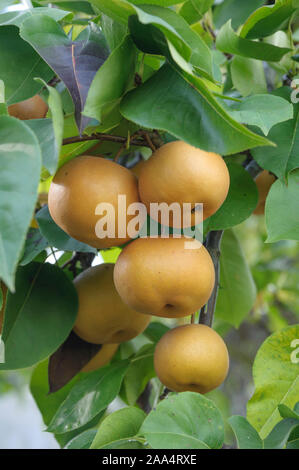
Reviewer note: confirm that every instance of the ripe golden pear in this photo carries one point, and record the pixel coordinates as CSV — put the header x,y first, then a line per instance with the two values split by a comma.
x,y
264,182
102,358
191,358
103,317
4,293
33,108
164,276
77,189
178,172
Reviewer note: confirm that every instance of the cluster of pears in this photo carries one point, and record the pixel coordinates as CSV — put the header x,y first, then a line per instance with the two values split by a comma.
x,y
152,276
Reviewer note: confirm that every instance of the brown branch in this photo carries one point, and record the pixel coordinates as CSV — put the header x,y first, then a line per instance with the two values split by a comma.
x,y
105,138
212,244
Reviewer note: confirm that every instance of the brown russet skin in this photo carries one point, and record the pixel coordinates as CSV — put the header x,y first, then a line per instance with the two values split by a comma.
x,y
191,358
160,276
103,317
33,108
4,293
79,186
178,172
264,182
102,358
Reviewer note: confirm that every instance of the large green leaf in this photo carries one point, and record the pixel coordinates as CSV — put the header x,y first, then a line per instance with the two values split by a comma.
x,y
48,404
39,316
16,18
112,79
184,421
122,424
168,102
56,236
247,437
263,111
248,76
24,65
20,162
237,291
88,397
282,217
276,378
240,202
228,41
285,156
269,19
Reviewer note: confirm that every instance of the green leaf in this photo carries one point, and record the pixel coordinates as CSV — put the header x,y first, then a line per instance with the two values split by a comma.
x,y
20,161
193,10
235,10
276,379
39,387
237,290
162,31
247,437
88,397
48,404
44,131
140,371
122,424
184,421
34,245
248,76
24,65
240,202
56,236
278,437
16,18
120,10
263,111
83,440
269,19
286,412
228,41
114,31
155,331
55,105
170,103
112,79
285,156
281,210
39,316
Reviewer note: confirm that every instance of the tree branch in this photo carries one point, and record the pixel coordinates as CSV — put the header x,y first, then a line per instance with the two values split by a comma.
x,y
212,244
105,138
213,247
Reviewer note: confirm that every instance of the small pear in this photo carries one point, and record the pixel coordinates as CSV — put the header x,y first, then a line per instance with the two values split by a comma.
x,y
191,358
